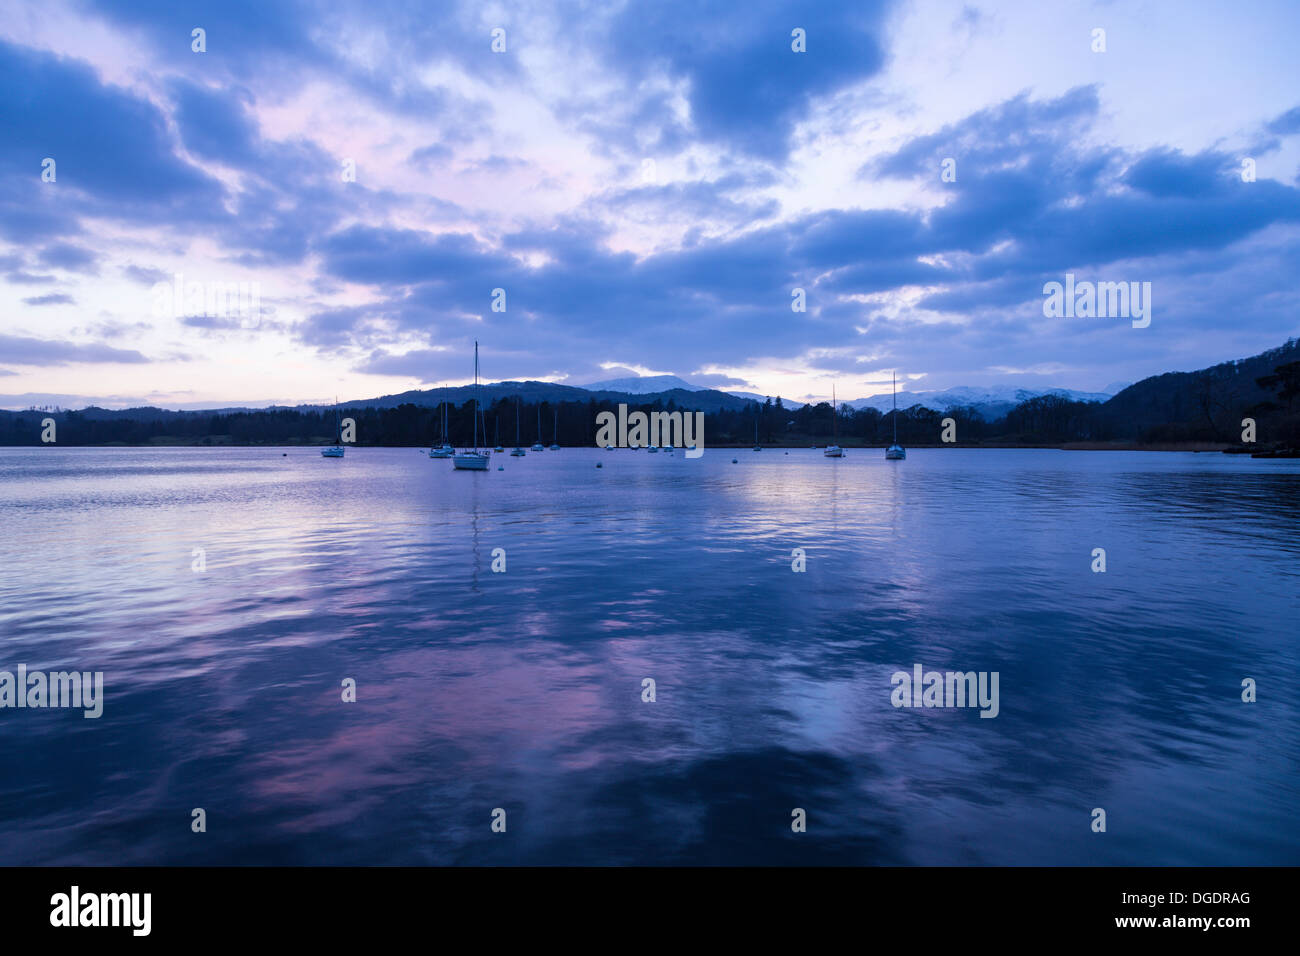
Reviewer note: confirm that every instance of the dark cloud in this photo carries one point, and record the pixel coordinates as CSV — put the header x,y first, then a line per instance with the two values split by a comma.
x,y
747,87
69,257
54,298
1288,124
28,278
145,275
21,350
105,141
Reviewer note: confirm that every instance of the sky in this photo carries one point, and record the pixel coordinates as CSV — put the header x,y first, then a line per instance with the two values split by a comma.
x,y
647,184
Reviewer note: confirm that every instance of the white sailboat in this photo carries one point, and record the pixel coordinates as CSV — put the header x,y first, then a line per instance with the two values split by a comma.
x,y
833,450
895,452
555,435
537,445
517,452
336,451
444,450
474,460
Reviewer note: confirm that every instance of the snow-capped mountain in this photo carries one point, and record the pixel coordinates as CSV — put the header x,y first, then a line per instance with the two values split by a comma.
x,y
989,402
650,384
643,385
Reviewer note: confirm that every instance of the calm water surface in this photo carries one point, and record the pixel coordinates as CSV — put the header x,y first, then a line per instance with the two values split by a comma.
x,y
522,690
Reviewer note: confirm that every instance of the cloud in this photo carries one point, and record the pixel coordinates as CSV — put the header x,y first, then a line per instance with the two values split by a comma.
x,y
106,142
69,257
746,87
144,275
22,350
1288,124
54,298
28,278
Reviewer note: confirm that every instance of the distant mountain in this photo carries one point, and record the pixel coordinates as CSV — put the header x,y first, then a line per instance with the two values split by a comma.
x,y
702,399
644,385
989,403
653,384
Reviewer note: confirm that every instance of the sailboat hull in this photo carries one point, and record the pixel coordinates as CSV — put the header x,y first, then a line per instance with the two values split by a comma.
x,y
470,461
834,451
440,453
335,452
895,453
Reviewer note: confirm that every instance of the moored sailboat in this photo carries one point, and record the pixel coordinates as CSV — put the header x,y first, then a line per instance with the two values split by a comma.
x,y
443,450
337,450
472,460
537,445
833,450
517,452
895,452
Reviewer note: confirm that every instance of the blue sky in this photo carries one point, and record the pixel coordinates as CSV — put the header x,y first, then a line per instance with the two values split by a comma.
x,y
648,182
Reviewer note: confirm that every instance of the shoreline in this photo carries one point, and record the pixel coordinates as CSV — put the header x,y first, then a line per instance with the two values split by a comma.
x,y
1195,447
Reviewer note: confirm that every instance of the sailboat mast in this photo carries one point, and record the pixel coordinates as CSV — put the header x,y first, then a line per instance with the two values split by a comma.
x,y
895,389
835,418
476,395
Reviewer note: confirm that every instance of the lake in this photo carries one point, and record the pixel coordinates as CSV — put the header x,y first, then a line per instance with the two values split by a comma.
x,y
226,595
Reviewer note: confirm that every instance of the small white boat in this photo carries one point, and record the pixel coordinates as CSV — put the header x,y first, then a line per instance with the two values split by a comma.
x,y
473,459
668,449
444,450
833,450
337,450
537,445
652,449
895,452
